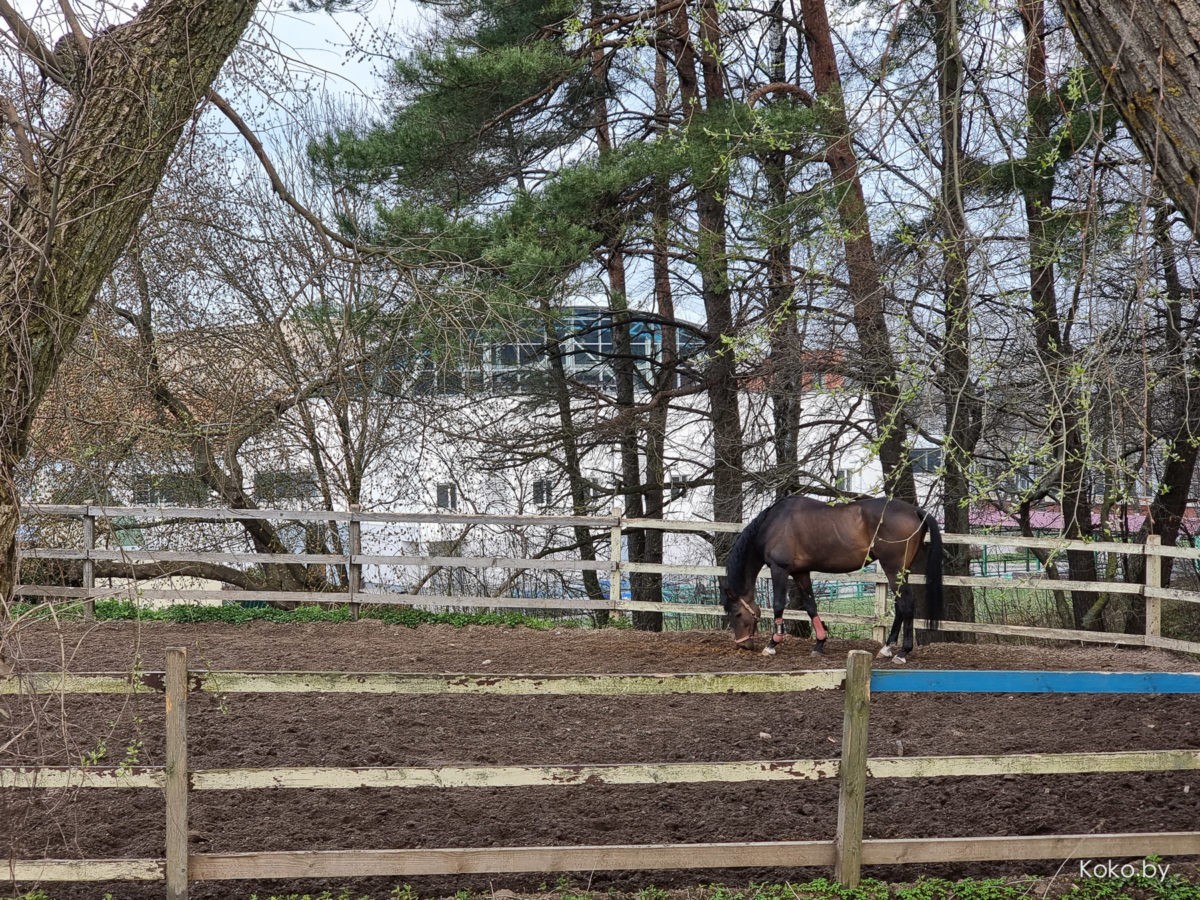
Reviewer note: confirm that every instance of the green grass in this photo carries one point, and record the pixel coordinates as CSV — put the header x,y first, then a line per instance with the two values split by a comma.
x,y
126,610
1173,887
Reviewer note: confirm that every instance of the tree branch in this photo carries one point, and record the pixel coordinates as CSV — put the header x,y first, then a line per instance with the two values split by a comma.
x,y
149,570
325,233
779,87
24,148
31,45
78,35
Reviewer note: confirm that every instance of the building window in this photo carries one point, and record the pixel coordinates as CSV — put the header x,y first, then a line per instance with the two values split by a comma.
x,y
679,487
925,461
844,481
273,486
169,489
543,493
447,495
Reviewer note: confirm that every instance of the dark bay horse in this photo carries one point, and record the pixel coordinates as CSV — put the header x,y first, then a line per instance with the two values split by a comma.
x,y
798,535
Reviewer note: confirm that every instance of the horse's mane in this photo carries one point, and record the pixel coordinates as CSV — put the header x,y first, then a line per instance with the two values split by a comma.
x,y
735,563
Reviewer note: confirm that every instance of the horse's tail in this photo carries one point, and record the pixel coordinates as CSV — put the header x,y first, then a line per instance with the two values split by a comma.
x,y
933,574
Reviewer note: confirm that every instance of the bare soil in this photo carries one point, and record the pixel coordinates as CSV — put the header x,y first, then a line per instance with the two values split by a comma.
x,y
366,730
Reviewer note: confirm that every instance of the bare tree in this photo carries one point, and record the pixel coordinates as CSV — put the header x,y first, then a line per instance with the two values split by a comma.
x,y
91,124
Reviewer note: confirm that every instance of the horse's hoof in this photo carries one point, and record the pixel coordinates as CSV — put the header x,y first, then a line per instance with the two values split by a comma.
x,y
818,649
899,661
768,650
885,652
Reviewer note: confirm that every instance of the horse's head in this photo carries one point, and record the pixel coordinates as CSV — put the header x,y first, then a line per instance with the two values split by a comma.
x,y
743,614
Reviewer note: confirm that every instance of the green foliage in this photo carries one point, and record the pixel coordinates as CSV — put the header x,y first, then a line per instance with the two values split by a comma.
x,y
467,109
236,614
1144,887
1074,109
1174,887
981,889
543,236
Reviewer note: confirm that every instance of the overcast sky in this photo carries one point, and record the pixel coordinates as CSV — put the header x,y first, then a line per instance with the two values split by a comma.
x,y
343,50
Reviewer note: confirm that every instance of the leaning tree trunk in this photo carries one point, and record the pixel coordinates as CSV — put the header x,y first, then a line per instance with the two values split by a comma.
x,y
126,96
1147,54
712,257
879,371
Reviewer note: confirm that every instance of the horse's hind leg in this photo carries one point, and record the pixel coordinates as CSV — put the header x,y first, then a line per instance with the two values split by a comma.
x,y
905,607
886,652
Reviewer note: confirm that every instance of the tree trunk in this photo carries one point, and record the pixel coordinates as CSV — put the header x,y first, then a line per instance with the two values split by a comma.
x,y
1051,336
572,464
133,91
1181,421
962,405
785,373
711,257
878,373
1147,54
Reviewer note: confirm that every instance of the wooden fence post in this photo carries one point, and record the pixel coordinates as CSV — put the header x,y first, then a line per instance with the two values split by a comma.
x,y
89,568
879,629
1154,579
614,559
354,569
177,774
853,772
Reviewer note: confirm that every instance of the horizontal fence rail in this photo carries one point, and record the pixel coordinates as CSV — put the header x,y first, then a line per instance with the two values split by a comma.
x,y
352,590
404,683
847,853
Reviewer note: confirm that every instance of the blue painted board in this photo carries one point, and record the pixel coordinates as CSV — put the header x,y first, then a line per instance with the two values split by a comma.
x,y
1033,682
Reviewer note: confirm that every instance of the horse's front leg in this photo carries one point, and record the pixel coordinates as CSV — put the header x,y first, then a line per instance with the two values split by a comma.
x,y
779,577
809,598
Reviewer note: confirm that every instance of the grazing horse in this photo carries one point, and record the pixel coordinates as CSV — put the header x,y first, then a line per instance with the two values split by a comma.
x,y
798,534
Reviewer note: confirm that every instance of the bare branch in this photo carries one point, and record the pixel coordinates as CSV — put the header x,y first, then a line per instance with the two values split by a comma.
x,y
325,233
779,87
78,35
22,139
31,45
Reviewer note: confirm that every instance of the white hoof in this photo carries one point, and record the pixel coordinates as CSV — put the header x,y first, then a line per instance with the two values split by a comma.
x,y
899,661
885,652
768,650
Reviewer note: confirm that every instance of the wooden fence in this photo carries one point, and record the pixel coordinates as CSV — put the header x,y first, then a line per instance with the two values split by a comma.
x,y
1151,594
847,853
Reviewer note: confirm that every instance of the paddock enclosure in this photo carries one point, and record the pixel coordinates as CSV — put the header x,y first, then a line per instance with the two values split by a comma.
x,y
250,726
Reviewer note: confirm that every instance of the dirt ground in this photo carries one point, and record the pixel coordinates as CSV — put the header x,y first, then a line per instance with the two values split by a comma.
x,y
365,730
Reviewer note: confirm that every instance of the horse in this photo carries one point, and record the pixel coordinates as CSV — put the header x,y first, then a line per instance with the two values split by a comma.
x,y
799,534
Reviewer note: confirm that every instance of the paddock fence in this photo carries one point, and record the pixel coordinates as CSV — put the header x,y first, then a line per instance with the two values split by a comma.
x,y
79,524
845,854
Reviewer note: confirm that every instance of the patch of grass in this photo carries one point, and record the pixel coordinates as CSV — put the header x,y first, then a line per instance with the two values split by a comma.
x,y
234,614
1138,887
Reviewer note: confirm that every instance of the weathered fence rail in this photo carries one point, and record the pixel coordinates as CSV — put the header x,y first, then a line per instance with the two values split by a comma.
x,y
1152,593
847,853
